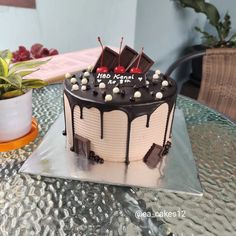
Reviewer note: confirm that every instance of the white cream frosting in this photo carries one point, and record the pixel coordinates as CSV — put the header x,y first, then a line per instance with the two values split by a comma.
x,y
115,123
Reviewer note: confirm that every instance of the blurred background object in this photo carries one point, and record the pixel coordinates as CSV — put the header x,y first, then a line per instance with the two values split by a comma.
x,y
36,51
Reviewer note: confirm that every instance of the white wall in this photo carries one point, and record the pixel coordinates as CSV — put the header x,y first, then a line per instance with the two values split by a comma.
x,y
75,24
164,30
19,26
159,25
68,25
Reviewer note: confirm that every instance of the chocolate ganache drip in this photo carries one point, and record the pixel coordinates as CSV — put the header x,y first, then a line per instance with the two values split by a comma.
x,y
145,105
135,94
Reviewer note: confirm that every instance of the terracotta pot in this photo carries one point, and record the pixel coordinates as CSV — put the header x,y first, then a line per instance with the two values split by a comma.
x,y
15,117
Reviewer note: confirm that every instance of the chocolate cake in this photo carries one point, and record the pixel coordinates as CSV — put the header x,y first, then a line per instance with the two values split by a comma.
x,y
119,110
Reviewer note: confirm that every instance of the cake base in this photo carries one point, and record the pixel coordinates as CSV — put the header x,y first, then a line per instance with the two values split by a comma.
x,y
53,158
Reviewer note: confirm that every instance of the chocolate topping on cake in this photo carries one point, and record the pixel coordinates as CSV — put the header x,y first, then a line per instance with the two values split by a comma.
x,y
110,59
153,156
133,93
127,56
81,146
145,63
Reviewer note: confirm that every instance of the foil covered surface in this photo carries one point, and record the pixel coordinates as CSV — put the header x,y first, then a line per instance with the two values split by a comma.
x,y
54,158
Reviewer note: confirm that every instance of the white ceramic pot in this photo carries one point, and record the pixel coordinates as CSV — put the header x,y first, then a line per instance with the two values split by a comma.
x,y
15,117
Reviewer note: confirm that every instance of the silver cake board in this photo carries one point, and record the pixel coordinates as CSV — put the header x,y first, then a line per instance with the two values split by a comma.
x,y
177,172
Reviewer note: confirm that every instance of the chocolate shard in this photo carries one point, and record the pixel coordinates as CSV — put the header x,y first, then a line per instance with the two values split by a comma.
x,y
127,56
153,156
81,146
110,59
145,63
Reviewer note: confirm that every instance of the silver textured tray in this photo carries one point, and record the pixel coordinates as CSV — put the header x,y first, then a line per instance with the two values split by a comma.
x,y
179,174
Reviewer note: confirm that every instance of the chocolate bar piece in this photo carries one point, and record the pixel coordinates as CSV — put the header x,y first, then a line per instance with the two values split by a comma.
x,y
110,59
127,56
81,146
145,63
153,156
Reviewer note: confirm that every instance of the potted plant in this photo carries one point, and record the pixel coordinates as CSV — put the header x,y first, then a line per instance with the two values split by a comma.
x,y
16,96
222,37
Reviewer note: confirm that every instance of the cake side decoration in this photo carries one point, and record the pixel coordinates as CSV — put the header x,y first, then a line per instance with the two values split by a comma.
x,y
73,80
153,156
121,114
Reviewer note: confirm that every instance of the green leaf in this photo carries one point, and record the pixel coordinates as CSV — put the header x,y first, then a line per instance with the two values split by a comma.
x,y
225,26
6,55
3,67
18,79
5,88
11,94
232,41
208,39
14,80
33,83
233,38
201,6
26,65
3,85
23,73
6,80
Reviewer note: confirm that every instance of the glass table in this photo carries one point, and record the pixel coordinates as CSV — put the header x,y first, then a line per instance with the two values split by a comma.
x,y
35,205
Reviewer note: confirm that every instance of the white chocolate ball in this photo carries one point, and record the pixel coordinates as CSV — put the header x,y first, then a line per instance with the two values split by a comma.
x,y
90,68
86,74
75,87
147,82
159,95
84,81
108,98
68,75
73,80
164,83
116,90
155,76
83,87
158,72
102,85
137,94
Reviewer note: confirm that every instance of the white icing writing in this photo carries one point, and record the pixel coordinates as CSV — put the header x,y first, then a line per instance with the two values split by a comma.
x,y
103,76
123,77
111,81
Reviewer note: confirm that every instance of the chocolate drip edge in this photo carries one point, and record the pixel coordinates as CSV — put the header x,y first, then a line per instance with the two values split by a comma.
x,y
129,110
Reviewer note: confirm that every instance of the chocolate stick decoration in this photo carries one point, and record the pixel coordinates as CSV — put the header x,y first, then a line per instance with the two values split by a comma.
x,y
120,69
101,62
140,55
121,42
137,70
101,69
